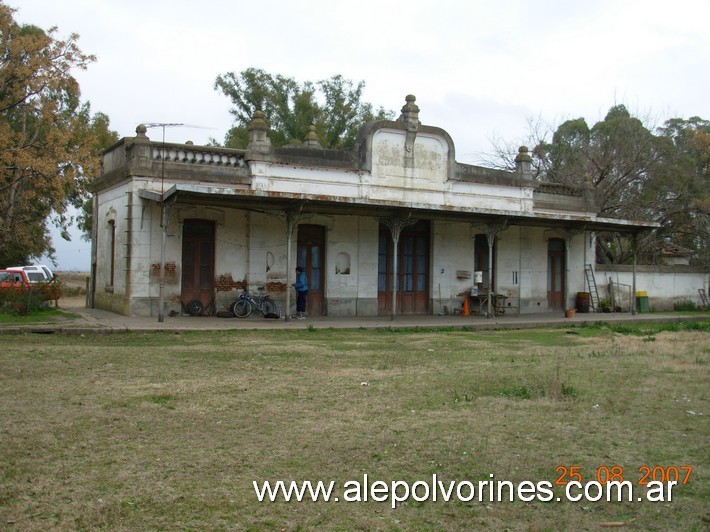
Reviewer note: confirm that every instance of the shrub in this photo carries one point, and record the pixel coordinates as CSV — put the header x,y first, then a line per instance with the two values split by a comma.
x,y
21,302
684,306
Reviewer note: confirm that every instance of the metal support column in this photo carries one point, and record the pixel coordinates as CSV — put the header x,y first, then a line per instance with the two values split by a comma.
x,y
161,285
568,244
290,223
164,217
290,219
491,231
395,226
634,246
491,237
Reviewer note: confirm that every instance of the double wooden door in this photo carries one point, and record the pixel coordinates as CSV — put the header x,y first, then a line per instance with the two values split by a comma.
x,y
412,270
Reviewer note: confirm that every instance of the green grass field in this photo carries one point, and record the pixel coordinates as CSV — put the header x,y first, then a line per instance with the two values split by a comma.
x,y
169,431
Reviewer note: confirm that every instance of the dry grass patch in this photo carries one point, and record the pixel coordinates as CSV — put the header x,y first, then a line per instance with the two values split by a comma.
x,y
169,431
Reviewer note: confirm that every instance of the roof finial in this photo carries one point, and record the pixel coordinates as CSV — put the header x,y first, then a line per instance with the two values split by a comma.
x,y
410,119
410,112
257,129
312,138
523,163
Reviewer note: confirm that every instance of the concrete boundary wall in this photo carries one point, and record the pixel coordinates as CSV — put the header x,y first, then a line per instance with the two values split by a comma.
x,y
665,285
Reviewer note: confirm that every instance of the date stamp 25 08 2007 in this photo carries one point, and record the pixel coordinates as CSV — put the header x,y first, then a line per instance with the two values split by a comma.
x,y
678,474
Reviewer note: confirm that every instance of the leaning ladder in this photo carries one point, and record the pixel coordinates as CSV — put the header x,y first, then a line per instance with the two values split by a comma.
x,y
703,297
592,283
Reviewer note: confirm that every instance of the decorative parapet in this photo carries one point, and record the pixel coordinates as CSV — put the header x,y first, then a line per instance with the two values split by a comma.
x,y
480,174
309,156
559,196
187,163
198,155
548,187
141,156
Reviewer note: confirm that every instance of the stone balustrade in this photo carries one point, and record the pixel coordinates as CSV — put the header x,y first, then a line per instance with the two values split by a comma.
x,y
198,155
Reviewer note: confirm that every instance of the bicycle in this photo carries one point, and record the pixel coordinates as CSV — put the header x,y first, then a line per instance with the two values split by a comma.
x,y
246,304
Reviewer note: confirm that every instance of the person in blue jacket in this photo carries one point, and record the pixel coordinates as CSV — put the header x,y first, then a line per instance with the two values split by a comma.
x,y
301,292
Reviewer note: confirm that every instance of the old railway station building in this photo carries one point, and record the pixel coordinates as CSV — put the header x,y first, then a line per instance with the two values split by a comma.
x,y
394,225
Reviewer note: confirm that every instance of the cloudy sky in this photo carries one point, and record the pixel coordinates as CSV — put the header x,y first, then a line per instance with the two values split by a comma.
x,y
481,70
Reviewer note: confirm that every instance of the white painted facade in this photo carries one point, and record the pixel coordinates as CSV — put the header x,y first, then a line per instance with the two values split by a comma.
x,y
400,170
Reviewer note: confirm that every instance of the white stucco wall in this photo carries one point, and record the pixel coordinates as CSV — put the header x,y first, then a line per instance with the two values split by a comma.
x,y
232,245
451,264
342,241
664,285
111,208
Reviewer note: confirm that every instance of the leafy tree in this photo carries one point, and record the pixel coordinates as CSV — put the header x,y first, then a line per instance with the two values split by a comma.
x,y
615,158
689,205
333,106
634,173
48,141
96,129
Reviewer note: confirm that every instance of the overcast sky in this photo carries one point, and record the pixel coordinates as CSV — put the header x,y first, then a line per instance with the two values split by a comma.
x,y
481,70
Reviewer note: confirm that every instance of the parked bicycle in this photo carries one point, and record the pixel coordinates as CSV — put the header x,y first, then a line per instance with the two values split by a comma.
x,y
247,303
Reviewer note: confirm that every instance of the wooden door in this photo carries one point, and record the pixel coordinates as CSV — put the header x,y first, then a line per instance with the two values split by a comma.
x,y
556,274
198,263
413,270
311,255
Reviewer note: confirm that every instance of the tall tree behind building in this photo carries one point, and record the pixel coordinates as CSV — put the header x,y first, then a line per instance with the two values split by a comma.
x,y
689,208
634,172
49,147
334,106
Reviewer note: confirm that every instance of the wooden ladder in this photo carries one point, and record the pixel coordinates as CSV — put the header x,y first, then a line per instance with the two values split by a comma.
x,y
592,283
703,297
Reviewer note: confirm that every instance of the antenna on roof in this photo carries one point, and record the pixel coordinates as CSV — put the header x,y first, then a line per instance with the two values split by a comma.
x,y
164,213
164,125
163,218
